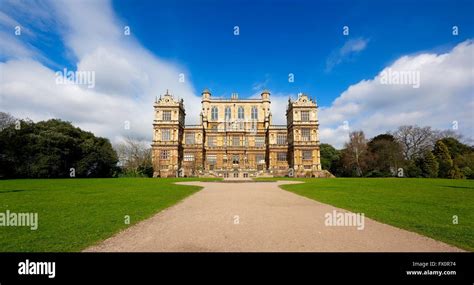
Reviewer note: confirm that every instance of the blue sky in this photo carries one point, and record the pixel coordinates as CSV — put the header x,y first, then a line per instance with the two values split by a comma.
x,y
275,38
281,37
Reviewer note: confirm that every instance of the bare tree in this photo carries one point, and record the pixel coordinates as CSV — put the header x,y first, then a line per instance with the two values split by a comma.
x,y
133,153
415,140
448,134
355,153
6,120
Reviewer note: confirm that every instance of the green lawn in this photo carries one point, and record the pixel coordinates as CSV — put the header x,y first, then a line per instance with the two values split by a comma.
x,y
76,213
425,206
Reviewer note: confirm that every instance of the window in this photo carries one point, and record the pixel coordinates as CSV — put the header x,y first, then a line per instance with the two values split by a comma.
x,y
190,138
253,126
166,135
305,116
228,113
189,157
307,167
211,141
254,113
241,113
281,139
235,159
260,158
164,154
214,113
259,141
307,155
236,141
225,141
211,158
224,159
240,125
305,134
166,116
281,156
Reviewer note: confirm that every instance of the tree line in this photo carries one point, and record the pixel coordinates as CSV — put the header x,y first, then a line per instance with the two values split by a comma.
x,y
52,149
410,151
55,148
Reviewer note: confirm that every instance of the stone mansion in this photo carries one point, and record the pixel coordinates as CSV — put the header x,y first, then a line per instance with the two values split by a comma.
x,y
236,138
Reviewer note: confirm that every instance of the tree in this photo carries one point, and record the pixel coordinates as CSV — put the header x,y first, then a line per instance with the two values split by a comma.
x,y
456,148
443,134
466,164
462,156
355,154
446,167
386,154
428,165
413,168
54,148
328,155
6,120
414,140
135,157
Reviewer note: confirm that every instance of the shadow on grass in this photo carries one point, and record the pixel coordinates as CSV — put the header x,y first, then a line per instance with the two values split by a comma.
x,y
459,187
11,191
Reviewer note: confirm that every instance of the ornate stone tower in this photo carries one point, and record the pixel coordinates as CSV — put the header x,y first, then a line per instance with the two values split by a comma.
x,y
205,102
266,107
168,129
303,136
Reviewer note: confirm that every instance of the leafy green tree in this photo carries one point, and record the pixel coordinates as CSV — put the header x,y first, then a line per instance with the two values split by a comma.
x,y
386,155
456,148
54,148
445,162
428,165
413,169
463,157
328,155
466,164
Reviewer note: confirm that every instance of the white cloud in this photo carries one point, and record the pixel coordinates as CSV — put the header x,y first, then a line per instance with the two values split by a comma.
x,y
350,48
278,106
128,77
445,95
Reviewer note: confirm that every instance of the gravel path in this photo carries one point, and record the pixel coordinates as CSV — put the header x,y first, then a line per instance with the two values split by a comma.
x,y
259,216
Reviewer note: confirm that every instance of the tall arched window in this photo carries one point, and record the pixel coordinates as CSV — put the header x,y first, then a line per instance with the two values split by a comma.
x,y
254,113
214,113
228,113
241,112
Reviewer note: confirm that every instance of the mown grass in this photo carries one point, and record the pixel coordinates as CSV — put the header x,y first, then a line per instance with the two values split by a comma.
x,y
425,206
76,213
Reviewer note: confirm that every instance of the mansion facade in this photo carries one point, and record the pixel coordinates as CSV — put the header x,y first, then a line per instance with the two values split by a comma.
x,y
236,138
